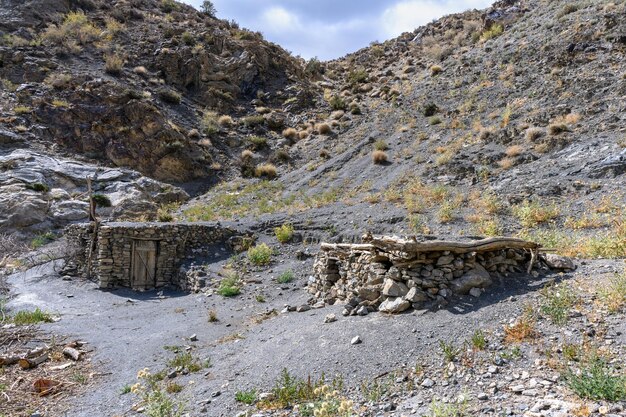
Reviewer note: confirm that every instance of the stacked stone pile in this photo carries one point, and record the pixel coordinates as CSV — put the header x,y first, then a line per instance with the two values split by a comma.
x,y
392,278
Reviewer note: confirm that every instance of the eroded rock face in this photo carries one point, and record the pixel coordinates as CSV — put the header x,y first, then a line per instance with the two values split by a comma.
x,y
40,192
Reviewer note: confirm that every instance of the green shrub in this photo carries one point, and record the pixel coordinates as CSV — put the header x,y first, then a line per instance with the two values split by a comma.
x,y
42,239
557,301
260,254
597,381
257,141
450,352
337,103
493,32
230,286
246,397
22,318
186,362
284,233
435,120
357,76
381,145
208,8
479,341
430,109
253,121
286,277
170,96
188,39
101,200
37,186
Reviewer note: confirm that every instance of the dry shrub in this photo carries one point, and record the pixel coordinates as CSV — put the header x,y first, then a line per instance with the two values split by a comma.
x,y
303,134
113,64
324,153
521,331
140,70
225,121
555,129
324,129
247,155
514,150
266,171
534,133
290,133
379,157
436,70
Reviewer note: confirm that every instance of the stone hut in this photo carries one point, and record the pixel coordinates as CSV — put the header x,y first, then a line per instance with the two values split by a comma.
x,y
142,256
392,274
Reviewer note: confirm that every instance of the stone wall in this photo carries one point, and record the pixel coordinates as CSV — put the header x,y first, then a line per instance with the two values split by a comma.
x,y
176,243
369,278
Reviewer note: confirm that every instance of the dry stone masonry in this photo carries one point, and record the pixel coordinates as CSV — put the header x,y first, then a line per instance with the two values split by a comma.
x,y
391,275
145,255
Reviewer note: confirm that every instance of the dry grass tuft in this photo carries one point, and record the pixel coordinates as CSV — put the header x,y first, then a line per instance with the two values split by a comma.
x,y
379,157
514,150
290,133
225,121
506,163
265,171
324,129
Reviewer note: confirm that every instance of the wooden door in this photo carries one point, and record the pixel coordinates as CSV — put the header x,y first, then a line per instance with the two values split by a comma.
x,y
144,264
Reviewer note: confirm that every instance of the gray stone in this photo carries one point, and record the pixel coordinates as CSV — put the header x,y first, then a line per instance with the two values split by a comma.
x,y
303,308
476,277
428,383
394,305
356,340
475,292
555,261
445,260
362,311
416,295
395,289
369,293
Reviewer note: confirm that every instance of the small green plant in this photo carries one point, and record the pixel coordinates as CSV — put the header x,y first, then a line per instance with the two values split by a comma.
x,y
79,378
156,402
597,381
252,121
613,295
188,39
289,390
381,145
479,341
357,76
557,301
42,239
450,352
260,254
101,200
493,32
337,103
38,186
246,397
434,120
441,409
125,389
257,141
284,233
230,285
22,318
532,213
571,352
186,362
260,298
286,277
173,388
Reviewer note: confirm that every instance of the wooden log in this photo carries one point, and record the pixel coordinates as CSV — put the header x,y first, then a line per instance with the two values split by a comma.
x,y
9,360
491,244
71,353
346,246
29,363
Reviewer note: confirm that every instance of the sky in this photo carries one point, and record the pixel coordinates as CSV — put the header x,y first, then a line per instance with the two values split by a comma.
x,y
329,29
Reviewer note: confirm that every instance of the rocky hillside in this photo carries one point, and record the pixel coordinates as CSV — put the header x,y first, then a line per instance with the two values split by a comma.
x,y
485,122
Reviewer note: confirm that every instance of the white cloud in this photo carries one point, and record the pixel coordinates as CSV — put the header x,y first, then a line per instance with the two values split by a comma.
x,y
405,16
278,19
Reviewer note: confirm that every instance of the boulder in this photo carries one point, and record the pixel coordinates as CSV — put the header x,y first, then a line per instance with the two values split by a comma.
x,y
394,305
416,295
395,288
559,262
477,277
369,293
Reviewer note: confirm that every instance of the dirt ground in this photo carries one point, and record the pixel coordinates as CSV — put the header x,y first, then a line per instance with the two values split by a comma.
x,y
251,342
